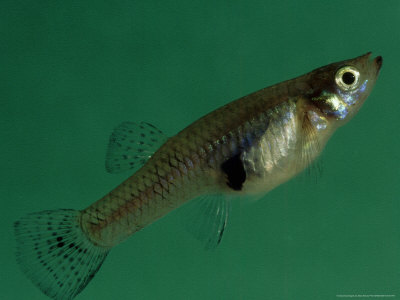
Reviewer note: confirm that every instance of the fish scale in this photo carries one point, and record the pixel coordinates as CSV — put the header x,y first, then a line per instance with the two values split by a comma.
x,y
245,148
150,203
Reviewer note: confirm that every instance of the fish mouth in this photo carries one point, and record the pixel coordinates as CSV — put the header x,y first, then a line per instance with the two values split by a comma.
x,y
375,62
378,62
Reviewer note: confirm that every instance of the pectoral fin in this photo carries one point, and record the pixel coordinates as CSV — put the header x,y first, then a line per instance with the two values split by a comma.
x,y
310,144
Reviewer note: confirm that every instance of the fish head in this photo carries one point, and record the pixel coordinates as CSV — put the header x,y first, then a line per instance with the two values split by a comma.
x,y
339,90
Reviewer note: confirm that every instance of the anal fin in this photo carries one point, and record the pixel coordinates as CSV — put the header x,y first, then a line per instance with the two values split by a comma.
x,y
206,218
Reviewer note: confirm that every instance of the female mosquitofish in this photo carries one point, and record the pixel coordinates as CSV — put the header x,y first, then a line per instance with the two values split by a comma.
x,y
246,147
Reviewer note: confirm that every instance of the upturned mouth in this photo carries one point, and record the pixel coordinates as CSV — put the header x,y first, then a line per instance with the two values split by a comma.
x,y
378,62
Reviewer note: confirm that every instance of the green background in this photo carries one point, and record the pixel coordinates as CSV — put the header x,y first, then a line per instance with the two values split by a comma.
x,y
72,70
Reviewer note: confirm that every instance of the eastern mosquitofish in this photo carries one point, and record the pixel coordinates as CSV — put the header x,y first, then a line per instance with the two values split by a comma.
x,y
246,147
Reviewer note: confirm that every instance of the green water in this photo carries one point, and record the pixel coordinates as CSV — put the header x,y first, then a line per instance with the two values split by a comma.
x,y
71,71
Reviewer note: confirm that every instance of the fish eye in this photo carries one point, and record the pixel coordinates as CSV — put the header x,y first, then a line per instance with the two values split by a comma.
x,y
347,78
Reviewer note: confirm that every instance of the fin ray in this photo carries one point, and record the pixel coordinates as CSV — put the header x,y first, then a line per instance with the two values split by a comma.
x,y
55,254
310,145
206,218
131,145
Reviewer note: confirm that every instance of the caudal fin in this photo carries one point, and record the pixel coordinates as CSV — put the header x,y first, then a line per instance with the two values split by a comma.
x,y
55,253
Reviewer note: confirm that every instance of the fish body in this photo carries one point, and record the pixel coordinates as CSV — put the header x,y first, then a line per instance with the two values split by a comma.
x,y
246,147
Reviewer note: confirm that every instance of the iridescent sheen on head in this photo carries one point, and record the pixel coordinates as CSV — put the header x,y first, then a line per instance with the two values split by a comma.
x,y
340,89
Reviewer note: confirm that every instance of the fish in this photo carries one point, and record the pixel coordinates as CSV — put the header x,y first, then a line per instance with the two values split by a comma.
x,y
243,149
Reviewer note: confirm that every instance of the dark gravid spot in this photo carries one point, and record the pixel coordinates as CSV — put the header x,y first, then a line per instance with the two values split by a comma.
x,y
234,169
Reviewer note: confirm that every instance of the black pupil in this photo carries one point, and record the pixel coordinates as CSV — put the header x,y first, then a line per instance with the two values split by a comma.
x,y
348,78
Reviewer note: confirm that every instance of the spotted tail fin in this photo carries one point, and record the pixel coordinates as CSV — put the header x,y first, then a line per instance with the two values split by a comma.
x,y
55,254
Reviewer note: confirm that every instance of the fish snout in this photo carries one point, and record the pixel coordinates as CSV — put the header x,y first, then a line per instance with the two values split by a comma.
x,y
378,62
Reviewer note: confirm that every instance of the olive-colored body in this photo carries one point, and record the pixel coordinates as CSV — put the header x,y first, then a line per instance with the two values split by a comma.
x,y
265,138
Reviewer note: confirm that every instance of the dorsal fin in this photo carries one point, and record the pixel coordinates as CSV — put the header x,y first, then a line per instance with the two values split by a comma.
x,y
131,145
